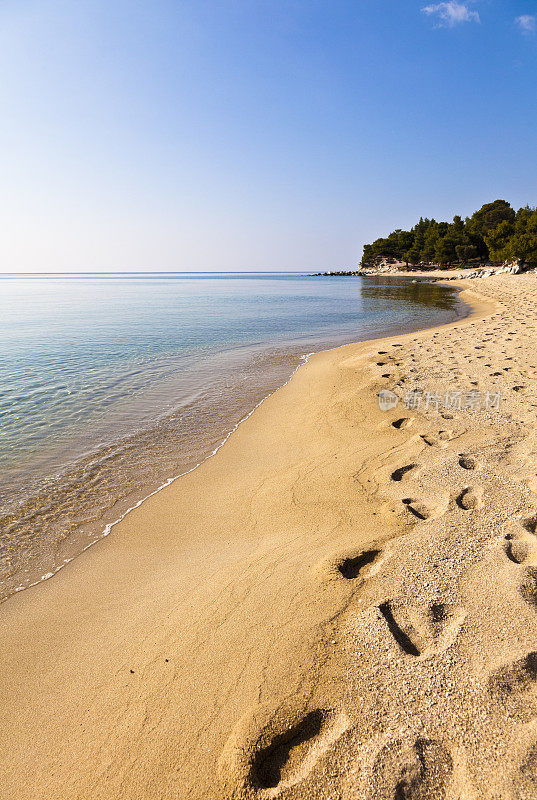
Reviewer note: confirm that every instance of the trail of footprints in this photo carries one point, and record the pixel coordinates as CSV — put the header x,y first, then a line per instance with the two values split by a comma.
x,y
284,756
415,768
401,770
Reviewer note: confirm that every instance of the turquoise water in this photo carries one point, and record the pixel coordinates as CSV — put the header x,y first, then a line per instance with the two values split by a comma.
x,y
110,384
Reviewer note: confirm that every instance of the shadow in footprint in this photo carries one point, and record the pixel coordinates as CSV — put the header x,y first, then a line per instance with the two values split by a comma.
x,y
350,567
419,510
433,508
423,630
530,525
516,550
438,615
272,763
515,677
470,497
404,422
468,462
399,473
401,637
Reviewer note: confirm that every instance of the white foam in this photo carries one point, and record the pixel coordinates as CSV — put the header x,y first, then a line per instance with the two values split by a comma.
x,y
303,360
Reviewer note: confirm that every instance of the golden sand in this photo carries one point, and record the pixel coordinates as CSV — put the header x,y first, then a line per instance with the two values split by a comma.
x,y
342,603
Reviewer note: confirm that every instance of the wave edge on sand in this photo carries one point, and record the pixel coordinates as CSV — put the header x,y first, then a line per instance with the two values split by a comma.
x,y
288,582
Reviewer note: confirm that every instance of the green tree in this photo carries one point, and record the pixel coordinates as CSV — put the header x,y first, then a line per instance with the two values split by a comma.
x,y
466,251
404,242
445,252
489,217
457,225
523,244
414,256
430,241
419,232
458,245
484,221
495,230
498,240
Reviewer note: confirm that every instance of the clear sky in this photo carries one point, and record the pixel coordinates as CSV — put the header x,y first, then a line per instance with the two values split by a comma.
x,y
252,134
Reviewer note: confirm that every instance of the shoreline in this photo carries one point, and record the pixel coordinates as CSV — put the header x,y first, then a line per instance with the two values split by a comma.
x,y
232,574
108,527
140,497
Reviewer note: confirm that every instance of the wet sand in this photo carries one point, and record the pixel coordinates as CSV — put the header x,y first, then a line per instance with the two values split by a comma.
x,y
60,494
340,604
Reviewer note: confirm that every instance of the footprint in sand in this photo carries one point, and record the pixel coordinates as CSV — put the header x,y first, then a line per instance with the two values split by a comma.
x,y
512,682
281,753
468,462
471,497
429,509
292,754
277,762
410,770
352,566
517,550
349,564
440,440
404,472
404,422
528,586
422,632
521,545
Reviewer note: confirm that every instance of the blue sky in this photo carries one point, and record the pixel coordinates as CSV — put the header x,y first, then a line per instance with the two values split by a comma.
x,y
252,134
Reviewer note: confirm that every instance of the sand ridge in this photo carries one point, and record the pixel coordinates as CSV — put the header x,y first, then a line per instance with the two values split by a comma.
x,y
340,604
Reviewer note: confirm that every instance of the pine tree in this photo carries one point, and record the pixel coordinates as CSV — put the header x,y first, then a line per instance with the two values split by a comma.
x,y
494,231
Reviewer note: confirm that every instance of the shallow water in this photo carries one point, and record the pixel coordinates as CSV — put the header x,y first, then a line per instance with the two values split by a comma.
x,y
110,385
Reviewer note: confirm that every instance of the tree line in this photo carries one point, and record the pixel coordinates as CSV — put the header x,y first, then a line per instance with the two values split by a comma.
x,y
494,233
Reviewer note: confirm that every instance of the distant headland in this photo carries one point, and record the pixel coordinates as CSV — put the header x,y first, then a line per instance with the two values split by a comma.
x,y
495,237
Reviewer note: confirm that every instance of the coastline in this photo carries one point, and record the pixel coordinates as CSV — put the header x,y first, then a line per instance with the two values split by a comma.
x,y
108,527
216,615
60,495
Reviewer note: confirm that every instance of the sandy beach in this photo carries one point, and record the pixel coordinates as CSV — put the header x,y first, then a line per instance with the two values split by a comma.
x,y
341,603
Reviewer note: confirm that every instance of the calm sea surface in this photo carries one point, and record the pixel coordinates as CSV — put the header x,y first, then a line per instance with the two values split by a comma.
x,y
110,385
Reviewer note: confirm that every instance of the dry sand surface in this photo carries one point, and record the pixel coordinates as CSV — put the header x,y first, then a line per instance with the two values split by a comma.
x,y
342,603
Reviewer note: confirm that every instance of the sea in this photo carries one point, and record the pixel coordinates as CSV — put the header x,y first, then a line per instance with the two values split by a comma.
x,y
113,385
